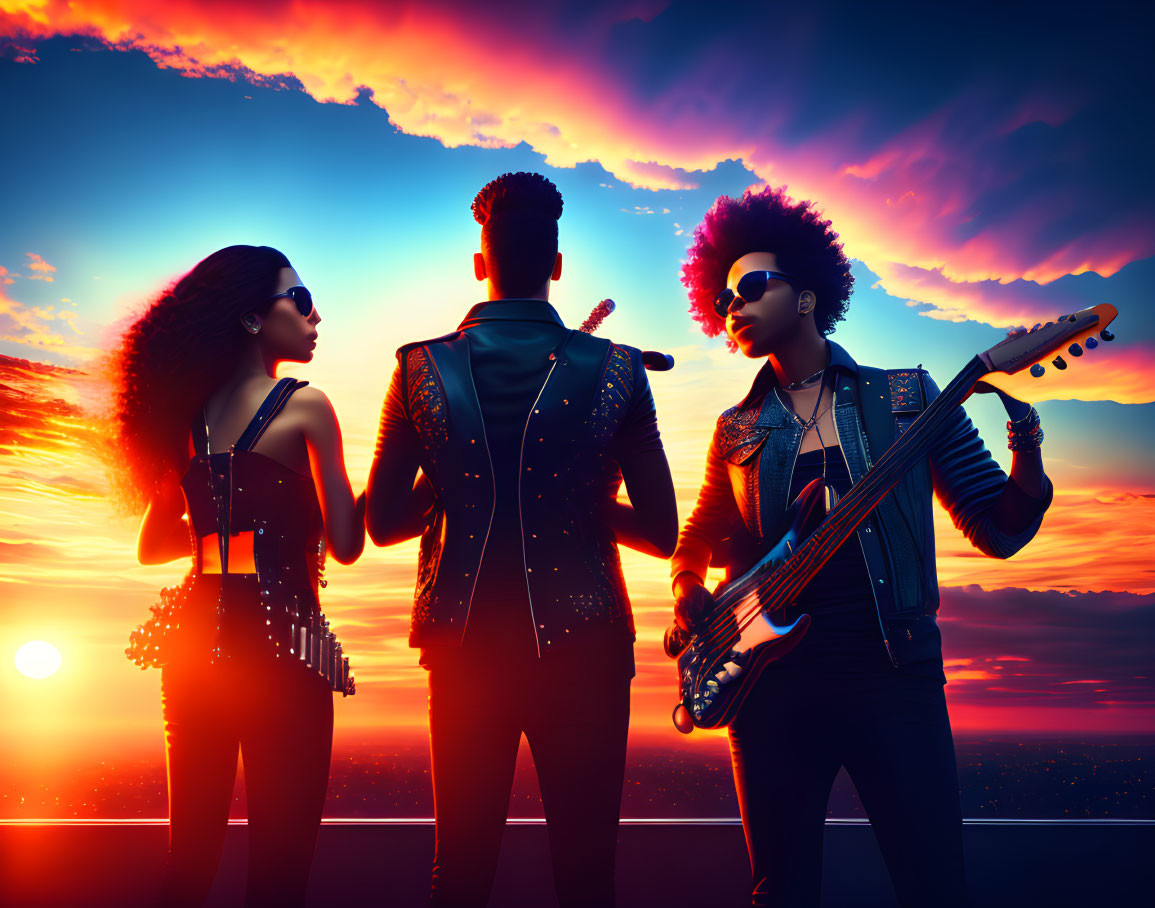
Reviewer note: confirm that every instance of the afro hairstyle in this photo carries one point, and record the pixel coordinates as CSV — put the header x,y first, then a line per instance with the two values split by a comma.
x,y
767,220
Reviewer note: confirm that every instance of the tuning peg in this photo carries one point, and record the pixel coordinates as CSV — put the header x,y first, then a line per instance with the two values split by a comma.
x,y
1106,335
1075,350
1037,326
1037,370
1090,343
1059,363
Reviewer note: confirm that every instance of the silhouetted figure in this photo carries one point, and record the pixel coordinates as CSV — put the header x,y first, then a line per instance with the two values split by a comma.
x,y
255,463
523,430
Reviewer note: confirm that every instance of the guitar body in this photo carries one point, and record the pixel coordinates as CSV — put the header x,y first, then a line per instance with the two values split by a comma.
x,y
719,666
721,660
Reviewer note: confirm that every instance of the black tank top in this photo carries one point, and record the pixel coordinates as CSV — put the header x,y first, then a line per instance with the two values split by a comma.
x,y
845,635
257,526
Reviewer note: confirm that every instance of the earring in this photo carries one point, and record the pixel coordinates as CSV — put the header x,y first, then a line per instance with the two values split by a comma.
x,y
252,326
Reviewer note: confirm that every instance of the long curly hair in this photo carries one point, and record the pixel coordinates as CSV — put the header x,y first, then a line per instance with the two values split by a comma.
x,y
171,359
767,220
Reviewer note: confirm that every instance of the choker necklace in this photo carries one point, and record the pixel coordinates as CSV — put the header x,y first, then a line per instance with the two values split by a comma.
x,y
794,385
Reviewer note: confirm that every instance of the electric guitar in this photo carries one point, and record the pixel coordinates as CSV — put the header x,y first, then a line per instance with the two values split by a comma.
x,y
720,661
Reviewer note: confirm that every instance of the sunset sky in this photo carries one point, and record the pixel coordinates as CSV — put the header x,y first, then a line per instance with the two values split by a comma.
x,y
986,168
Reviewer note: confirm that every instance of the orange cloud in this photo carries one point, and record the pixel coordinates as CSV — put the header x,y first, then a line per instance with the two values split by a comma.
x,y
32,326
1078,647
466,77
41,270
1091,539
1124,375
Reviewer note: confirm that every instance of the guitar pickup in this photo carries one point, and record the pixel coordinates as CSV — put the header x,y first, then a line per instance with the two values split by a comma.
x,y
729,672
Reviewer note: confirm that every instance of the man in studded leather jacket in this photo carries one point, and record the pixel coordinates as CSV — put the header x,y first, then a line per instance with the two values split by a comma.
x,y
523,431
864,687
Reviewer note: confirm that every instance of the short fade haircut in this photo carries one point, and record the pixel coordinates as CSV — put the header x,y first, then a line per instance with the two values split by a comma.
x,y
767,220
518,214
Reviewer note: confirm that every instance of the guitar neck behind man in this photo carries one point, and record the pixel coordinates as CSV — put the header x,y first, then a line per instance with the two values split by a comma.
x,y
523,430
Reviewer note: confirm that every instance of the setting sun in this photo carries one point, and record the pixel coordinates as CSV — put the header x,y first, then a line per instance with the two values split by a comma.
x,y
37,659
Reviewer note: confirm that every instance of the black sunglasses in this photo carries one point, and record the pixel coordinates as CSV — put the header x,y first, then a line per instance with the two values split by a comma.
x,y
300,296
750,288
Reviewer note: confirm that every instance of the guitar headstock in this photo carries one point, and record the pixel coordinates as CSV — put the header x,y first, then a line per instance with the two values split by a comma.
x,y
1069,334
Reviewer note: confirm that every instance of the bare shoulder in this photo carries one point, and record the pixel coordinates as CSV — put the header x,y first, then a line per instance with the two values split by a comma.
x,y
311,410
310,398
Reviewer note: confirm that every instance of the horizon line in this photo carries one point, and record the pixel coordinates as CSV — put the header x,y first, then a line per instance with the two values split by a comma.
x,y
624,821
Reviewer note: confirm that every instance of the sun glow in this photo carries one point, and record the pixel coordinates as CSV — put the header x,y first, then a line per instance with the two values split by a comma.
x,y
37,659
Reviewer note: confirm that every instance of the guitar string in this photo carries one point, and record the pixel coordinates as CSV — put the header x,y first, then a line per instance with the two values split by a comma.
x,y
818,540
925,424
815,544
806,426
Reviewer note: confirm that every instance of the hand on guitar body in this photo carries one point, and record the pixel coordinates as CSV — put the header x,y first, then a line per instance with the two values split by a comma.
x,y
692,601
693,604
721,651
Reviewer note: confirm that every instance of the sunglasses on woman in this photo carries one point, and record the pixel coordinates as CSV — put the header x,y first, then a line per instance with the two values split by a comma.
x,y
300,296
750,288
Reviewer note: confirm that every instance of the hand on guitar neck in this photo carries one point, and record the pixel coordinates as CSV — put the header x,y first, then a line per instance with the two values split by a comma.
x,y
1028,485
723,646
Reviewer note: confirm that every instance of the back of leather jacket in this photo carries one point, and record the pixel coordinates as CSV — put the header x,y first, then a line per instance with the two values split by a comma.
x,y
590,420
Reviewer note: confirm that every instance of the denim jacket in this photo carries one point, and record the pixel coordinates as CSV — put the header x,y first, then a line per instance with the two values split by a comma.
x,y
749,468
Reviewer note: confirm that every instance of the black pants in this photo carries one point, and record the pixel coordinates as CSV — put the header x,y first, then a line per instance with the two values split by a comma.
x,y
280,716
575,715
891,731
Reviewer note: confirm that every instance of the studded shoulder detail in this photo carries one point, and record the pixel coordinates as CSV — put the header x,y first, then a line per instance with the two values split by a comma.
x,y
737,434
426,404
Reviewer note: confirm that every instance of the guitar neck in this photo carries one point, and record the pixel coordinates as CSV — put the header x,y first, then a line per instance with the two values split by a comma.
x,y
865,496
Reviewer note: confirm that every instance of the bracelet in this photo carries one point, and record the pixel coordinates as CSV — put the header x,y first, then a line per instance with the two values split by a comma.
x,y
1026,445
1026,440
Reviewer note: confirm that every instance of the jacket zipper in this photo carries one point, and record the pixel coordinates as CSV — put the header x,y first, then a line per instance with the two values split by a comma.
x,y
861,547
520,512
493,507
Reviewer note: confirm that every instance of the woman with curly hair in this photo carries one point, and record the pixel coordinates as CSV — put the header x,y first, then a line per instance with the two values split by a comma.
x,y
863,689
244,473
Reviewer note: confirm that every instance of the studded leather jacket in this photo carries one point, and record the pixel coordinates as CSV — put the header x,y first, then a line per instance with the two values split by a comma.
x,y
748,474
573,443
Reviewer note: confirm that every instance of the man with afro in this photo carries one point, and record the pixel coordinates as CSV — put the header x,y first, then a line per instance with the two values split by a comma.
x,y
863,689
523,430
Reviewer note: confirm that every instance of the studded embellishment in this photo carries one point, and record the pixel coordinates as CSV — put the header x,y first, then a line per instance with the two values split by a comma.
x,y
426,406
428,562
614,392
753,503
737,434
906,400
905,391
